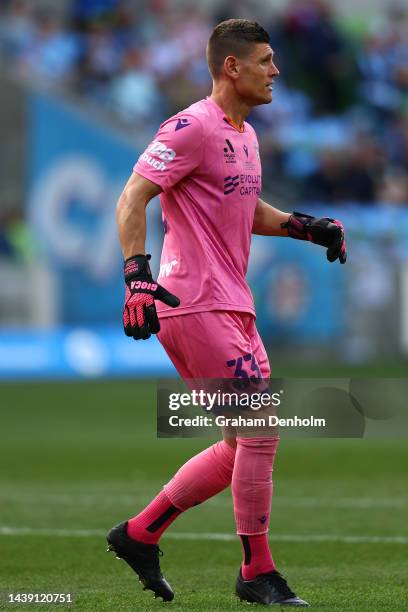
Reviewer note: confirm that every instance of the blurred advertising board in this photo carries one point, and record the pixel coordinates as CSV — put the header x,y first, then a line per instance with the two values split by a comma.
x,y
298,295
79,353
77,170
303,300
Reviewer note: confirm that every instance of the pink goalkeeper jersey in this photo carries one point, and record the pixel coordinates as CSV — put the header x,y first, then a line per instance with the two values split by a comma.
x,y
210,175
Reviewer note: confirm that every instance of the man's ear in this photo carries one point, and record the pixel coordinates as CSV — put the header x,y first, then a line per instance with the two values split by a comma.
x,y
231,66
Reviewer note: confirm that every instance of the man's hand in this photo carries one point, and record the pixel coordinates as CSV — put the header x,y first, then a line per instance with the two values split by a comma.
x,y
139,314
325,231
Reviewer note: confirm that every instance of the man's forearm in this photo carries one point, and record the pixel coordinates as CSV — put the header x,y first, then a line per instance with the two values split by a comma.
x,y
131,222
131,214
268,220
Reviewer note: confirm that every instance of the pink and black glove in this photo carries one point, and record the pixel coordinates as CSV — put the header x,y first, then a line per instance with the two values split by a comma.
x,y
139,314
325,231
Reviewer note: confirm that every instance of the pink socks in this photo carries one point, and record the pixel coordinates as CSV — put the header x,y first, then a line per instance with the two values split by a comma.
x,y
208,473
257,556
148,526
252,495
203,476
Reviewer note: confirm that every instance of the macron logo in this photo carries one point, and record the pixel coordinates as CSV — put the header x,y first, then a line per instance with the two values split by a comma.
x,y
182,123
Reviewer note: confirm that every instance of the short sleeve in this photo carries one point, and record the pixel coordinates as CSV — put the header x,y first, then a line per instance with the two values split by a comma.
x,y
174,153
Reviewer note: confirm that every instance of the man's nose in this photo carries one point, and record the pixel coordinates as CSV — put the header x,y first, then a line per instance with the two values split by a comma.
x,y
274,70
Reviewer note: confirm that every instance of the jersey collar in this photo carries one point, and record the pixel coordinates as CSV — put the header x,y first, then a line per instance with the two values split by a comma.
x,y
227,119
239,128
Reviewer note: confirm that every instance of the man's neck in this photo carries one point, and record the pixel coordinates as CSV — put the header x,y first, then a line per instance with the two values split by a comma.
x,y
233,107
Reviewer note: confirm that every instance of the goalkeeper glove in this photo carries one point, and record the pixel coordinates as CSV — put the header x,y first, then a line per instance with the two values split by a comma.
x,y
139,314
325,231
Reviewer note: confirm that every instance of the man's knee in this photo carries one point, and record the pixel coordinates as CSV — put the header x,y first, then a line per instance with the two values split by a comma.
x,y
230,441
265,445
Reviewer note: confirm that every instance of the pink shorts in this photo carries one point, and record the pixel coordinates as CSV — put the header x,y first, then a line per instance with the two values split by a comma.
x,y
214,344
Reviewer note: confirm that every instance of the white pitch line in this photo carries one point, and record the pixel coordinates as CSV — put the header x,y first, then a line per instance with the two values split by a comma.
x,y
66,533
217,537
351,503
343,539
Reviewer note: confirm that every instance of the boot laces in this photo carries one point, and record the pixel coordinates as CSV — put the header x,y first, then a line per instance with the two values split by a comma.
x,y
276,580
153,560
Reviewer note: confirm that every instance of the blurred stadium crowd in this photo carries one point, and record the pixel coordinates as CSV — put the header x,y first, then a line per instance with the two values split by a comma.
x,y
337,130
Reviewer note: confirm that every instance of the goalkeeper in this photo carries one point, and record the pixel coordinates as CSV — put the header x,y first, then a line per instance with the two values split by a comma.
x,y
204,162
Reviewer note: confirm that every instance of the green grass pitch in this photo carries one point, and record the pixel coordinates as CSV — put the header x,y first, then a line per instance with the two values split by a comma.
x,y
77,458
